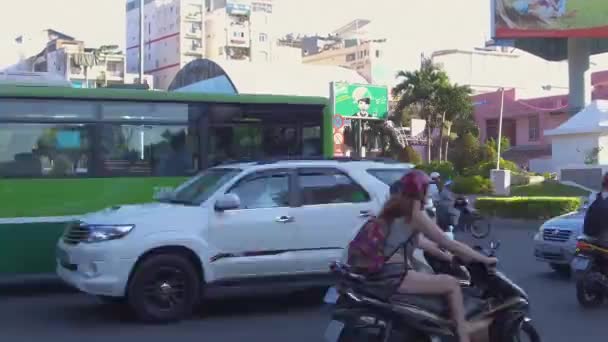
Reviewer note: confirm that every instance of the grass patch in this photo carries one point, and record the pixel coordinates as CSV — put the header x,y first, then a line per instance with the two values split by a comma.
x,y
548,189
59,197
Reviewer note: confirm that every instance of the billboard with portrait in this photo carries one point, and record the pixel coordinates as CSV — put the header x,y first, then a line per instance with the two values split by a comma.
x,y
360,100
550,19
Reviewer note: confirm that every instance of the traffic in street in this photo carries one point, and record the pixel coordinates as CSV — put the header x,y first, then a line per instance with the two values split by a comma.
x,y
35,311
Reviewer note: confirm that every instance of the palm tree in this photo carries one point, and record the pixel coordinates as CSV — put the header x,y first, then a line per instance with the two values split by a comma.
x,y
419,90
453,104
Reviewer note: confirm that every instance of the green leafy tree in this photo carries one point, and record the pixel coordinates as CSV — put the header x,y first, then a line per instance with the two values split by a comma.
x,y
418,91
490,148
410,155
453,104
467,152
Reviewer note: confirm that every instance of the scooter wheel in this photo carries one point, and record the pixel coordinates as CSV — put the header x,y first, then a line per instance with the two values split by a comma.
x,y
587,296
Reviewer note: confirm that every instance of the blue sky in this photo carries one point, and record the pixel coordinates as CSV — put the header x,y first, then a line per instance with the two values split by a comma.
x,y
419,24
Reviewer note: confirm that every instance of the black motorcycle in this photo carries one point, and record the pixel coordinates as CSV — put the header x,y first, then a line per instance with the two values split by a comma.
x,y
590,265
470,220
362,313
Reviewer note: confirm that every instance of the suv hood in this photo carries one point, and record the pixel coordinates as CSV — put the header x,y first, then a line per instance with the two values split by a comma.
x,y
135,213
572,221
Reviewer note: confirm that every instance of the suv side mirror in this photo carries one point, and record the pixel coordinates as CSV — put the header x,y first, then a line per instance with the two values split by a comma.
x,y
227,202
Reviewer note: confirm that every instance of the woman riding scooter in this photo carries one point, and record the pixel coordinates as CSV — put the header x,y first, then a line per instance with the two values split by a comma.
x,y
406,218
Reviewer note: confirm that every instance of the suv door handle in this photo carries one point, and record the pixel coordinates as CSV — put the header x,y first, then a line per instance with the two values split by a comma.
x,y
284,219
365,213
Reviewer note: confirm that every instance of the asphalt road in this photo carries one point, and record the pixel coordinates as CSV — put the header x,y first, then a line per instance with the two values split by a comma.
x,y
41,311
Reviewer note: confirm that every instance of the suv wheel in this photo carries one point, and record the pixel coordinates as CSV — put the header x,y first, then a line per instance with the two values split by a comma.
x,y
562,269
164,288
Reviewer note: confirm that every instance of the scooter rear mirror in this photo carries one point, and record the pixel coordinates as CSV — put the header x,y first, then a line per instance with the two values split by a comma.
x,y
494,245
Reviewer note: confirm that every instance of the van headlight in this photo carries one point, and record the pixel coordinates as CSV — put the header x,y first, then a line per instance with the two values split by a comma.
x,y
106,232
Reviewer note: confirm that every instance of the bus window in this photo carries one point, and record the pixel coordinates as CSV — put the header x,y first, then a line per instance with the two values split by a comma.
x,y
37,150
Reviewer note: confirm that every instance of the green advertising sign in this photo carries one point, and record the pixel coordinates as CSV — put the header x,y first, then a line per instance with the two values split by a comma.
x,y
360,100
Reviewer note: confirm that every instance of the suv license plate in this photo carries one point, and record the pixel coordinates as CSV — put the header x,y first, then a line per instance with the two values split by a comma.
x,y
333,331
332,296
580,264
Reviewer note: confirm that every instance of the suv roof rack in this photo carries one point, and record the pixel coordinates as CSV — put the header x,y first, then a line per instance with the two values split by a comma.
x,y
273,160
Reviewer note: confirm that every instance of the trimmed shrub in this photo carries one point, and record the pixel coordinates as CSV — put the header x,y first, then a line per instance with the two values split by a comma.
x,y
527,207
475,185
445,169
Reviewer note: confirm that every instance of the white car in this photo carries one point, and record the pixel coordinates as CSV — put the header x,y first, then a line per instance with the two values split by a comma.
x,y
245,224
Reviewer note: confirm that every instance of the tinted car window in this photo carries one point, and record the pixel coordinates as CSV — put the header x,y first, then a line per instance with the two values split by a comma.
x,y
388,176
263,191
320,187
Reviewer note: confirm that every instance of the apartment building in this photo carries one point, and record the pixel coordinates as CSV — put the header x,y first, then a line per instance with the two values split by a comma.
x,y
352,46
176,32
63,56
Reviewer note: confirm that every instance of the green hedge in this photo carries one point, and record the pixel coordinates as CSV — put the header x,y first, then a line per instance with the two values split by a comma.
x,y
527,207
475,185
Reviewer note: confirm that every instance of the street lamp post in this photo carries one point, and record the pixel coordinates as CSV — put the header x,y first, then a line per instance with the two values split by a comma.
x,y
141,41
502,106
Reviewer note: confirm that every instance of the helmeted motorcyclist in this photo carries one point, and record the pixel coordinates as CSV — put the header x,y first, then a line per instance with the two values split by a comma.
x,y
434,187
595,224
407,220
446,213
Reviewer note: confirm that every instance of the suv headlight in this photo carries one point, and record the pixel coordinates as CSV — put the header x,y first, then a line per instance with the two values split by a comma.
x,y
106,232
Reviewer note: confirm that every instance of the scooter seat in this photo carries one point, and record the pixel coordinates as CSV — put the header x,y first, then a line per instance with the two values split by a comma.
x,y
437,304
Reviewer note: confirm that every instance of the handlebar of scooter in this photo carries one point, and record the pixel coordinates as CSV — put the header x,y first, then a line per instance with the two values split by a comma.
x,y
491,252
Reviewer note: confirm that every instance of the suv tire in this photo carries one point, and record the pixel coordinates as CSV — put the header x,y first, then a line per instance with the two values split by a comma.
x,y
164,288
563,270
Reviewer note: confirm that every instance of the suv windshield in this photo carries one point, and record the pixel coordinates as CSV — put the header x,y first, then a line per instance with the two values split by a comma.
x,y
201,187
388,176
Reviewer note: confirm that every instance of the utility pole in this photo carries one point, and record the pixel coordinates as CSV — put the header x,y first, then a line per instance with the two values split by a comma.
x,y
141,41
502,106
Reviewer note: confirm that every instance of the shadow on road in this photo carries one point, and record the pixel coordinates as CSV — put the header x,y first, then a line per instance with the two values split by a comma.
x,y
33,287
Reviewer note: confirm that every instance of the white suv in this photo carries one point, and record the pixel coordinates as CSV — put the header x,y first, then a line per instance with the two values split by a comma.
x,y
232,225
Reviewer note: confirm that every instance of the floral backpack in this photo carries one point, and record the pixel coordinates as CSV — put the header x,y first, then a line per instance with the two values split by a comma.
x,y
366,250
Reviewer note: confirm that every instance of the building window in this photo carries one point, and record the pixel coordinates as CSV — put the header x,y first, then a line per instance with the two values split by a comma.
x,y
147,150
377,53
533,128
492,129
351,57
157,64
149,29
263,37
37,150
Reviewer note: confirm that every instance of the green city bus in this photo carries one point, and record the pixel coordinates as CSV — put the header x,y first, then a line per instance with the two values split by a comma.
x,y
66,152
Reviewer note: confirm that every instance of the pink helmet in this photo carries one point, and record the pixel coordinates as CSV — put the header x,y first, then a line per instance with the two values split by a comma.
x,y
415,184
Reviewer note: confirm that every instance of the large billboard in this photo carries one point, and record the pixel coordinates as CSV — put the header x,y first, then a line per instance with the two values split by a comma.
x,y
352,102
550,18
360,100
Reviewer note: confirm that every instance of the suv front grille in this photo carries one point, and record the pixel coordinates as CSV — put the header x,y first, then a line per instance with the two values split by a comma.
x,y
556,235
76,232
